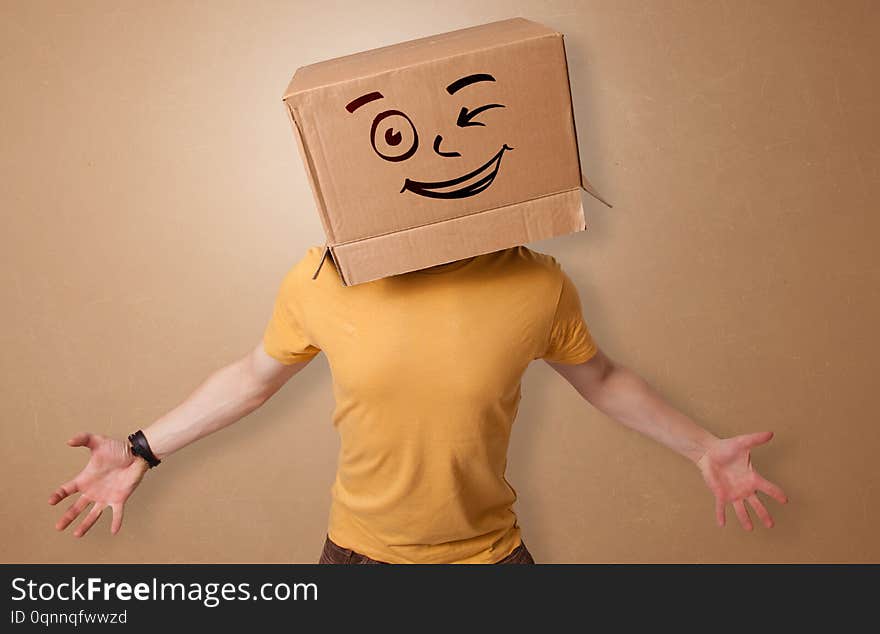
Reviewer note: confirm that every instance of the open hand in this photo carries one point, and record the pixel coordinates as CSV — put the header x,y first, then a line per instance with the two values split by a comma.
x,y
109,478
727,469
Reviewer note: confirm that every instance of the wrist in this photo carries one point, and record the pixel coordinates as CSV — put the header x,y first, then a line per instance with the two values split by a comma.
x,y
139,446
134,459
142,465
701,448
154,444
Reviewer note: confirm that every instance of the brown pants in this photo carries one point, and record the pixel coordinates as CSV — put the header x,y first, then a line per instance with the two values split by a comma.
x,y
333,553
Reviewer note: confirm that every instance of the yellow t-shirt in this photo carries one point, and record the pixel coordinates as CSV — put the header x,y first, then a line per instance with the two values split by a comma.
x,y
426,374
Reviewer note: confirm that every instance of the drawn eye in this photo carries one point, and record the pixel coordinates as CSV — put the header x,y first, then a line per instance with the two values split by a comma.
x,y
393,136
465,116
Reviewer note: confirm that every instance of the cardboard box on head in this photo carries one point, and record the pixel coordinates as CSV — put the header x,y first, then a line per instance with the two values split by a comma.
x,y
440,148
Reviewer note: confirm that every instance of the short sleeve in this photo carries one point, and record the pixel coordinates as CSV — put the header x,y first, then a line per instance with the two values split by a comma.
x,y
285,339
569,340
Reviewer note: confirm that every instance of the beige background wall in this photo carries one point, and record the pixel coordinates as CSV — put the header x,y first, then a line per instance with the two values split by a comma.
x,y
152,198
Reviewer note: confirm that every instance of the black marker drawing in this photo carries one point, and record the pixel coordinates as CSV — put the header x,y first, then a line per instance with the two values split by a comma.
x,y
398,139
392,138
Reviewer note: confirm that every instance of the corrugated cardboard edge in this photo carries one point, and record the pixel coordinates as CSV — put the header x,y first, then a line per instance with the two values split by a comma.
x,y
321,263
549,216
585,184
293,92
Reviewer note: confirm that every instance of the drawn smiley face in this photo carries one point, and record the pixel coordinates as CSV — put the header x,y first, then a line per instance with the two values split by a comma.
x,y
394,138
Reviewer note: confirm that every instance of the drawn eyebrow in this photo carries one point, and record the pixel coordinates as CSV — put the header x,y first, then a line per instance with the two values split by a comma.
x,y
458,84
363,99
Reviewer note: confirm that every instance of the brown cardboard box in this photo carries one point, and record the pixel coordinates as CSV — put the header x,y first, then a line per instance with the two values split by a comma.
x,y
440,148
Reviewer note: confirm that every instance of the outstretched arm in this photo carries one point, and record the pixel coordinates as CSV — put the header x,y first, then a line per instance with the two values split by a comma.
x,y
113,472
226,396
724,463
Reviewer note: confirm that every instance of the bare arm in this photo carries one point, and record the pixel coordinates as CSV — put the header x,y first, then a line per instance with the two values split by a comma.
x,y
627,398
724,463
226,396
113,472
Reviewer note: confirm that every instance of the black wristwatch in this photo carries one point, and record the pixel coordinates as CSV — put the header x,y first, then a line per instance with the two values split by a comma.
x,y
140,447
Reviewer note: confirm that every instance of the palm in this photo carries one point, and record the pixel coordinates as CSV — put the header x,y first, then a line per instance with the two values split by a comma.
x,y
109,478
727,470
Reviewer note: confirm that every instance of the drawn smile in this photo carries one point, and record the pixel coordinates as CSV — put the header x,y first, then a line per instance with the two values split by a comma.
x,y
468,185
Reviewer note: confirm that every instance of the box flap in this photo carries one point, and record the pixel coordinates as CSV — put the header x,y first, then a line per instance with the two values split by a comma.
x,y
588,187
417,248
585,184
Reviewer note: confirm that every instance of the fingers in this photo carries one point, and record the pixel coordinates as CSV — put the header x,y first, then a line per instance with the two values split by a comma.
x,y
117,518
90,520
742,514
65,490
83,439
72,513
760,510
771,489
748,441
719,512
